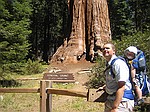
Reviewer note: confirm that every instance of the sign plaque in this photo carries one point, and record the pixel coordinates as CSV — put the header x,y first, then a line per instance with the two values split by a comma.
x,y
59,77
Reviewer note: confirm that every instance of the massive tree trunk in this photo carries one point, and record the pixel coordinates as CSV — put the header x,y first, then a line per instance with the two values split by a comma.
x,y
90,29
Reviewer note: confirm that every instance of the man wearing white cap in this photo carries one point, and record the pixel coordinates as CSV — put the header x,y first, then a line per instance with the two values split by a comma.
x,y
131,53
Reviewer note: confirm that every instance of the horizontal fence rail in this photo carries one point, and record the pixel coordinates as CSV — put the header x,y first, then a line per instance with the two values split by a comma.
x,y
48,91
66,92
19,90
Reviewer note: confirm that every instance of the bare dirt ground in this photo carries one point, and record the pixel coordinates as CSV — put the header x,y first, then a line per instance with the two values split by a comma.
x,y
78,69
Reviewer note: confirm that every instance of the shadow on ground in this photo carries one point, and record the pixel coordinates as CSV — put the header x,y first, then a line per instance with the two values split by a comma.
x,y
9,83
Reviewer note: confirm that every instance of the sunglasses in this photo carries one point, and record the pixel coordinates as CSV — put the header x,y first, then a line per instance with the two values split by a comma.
x,y
102,49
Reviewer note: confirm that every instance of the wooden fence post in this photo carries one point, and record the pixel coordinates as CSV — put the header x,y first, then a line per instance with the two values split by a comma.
x,y
43,96
49,97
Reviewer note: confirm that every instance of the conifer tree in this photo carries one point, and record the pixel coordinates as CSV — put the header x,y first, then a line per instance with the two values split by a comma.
x,y
14,31
120,18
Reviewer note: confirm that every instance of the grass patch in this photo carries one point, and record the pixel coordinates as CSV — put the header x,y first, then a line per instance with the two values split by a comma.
x,y
20,102
79,105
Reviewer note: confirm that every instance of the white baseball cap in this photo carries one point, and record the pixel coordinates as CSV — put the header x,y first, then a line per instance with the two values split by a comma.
x,y
132,49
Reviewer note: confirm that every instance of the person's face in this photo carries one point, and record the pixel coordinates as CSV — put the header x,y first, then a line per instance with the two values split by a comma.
x,y
108,51
130,55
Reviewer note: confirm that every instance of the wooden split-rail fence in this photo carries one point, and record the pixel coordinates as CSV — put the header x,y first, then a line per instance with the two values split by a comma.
x,y
46,92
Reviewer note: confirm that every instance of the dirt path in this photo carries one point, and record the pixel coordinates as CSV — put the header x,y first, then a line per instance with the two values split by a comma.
x,y
78,69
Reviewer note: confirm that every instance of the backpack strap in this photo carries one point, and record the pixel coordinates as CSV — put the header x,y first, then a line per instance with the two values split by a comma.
x,y
113,61
111,70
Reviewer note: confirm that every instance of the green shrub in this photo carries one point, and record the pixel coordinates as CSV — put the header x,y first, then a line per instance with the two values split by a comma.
x,y
28,68
11,68
97,77
33,67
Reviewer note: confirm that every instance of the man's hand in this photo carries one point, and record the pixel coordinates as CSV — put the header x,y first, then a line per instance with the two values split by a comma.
x,y
114,110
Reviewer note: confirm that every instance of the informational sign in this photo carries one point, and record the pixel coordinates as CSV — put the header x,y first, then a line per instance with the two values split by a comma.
x,y
59,77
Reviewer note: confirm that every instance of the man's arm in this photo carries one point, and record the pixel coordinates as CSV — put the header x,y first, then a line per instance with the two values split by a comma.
x,y
119,94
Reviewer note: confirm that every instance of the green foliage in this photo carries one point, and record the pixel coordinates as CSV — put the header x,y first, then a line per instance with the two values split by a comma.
x,y
33,67
49,24
97,77
120,18
140,14
14,30
140,40
28,68
128,17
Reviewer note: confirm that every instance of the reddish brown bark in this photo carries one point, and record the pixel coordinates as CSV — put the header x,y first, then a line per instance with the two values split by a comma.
x,y
90,28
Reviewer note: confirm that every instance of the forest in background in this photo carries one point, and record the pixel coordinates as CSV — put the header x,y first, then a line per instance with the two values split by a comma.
x,y
32,30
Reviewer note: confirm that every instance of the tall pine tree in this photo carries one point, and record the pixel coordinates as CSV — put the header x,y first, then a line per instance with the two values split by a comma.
x,y
140,14
14,25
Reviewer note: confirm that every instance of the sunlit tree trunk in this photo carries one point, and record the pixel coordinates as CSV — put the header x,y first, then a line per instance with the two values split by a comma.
x,y
90,29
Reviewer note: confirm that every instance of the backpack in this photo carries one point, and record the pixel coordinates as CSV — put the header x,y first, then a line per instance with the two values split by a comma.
x,y
139,64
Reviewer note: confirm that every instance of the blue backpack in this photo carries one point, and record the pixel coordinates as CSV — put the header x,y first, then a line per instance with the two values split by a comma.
x,y
139,64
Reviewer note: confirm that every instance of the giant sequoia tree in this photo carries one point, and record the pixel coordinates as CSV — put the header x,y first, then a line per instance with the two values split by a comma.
x,y
89,29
